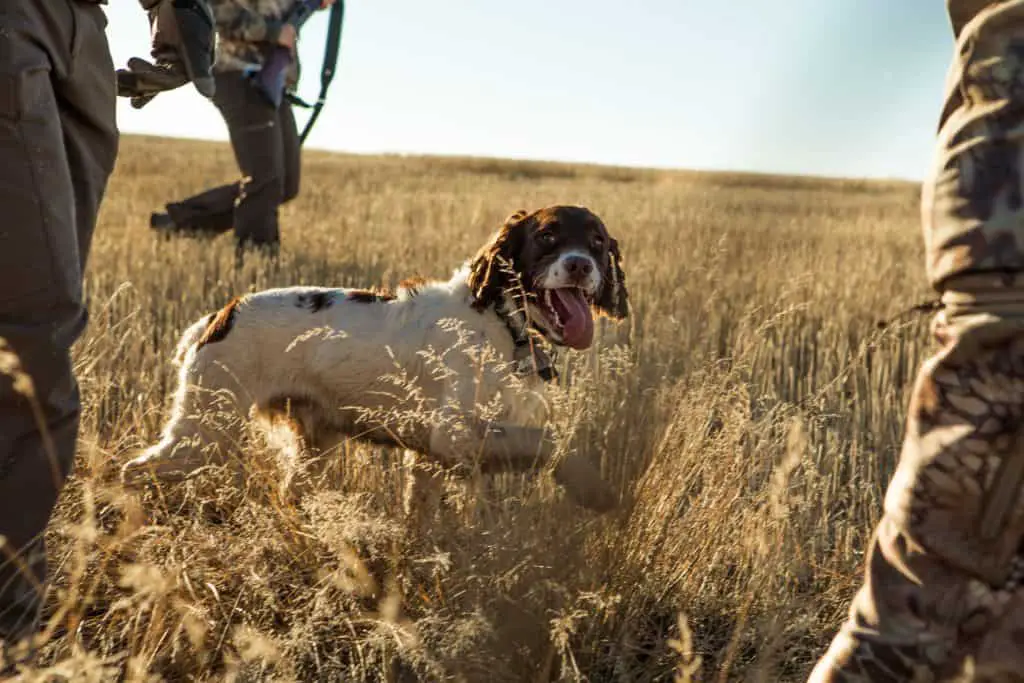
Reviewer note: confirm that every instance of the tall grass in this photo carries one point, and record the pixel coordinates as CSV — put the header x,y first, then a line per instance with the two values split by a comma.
x,y
749,414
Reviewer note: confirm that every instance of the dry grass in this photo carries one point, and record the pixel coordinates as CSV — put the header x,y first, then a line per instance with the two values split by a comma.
x,y
750,427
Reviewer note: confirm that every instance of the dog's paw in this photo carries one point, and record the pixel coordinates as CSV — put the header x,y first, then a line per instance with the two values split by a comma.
x,y
583,483
152,465
139,470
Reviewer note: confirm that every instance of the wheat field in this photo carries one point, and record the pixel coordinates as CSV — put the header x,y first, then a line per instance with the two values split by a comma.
x,y
749,414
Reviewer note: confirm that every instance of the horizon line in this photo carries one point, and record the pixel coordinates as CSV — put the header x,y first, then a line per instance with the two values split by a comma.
x,y
556,161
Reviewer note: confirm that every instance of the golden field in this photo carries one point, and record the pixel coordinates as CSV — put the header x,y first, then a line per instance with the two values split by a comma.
x,y
749,414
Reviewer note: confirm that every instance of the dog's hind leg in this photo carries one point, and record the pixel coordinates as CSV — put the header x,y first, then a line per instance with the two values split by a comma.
x,y
207,417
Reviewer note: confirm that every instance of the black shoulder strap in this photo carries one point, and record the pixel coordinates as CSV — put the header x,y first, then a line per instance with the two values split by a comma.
x,y
331,51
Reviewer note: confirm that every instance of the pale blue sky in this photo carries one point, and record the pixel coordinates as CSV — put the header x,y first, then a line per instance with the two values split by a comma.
x,y
830,87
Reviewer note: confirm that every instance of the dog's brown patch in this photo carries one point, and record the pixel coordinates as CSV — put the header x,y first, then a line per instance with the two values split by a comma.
x,y
412,285
368,296
220,324
315,302
303,416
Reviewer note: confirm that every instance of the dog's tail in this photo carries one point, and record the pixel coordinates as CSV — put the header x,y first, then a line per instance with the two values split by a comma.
x,y
191,337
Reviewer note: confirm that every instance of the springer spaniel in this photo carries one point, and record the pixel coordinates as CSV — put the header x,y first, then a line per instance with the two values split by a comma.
x,y
319,360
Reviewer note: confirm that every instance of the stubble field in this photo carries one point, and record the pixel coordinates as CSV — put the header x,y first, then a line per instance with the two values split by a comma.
x,y
749,415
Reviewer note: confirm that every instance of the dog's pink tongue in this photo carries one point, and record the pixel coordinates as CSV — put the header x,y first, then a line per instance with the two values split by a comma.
x,y
574,312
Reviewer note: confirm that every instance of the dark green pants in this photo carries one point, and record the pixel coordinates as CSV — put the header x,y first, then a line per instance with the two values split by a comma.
x,y
58,144
266,145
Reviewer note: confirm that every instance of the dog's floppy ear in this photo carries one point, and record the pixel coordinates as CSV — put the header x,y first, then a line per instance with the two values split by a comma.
x,y
613,300
489,274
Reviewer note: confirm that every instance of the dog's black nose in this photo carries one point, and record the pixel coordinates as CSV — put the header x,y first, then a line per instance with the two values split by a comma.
x,y
578,266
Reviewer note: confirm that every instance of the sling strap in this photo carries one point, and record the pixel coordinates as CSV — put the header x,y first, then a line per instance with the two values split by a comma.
x,y
328,69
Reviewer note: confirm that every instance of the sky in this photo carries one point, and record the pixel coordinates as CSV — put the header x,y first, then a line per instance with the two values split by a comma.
x,y
847,88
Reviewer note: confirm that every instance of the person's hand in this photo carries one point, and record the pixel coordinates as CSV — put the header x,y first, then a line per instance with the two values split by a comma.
x,y
287,37
142,81
324,4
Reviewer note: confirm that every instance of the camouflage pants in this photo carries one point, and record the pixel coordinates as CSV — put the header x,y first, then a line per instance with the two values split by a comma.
x,y
943,596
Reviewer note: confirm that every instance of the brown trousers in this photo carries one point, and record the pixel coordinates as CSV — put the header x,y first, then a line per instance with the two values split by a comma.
x,y
58,144
266,145
943,591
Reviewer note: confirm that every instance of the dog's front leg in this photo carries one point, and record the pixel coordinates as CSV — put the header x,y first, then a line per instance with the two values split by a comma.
x,y
498,448
461,436
513,448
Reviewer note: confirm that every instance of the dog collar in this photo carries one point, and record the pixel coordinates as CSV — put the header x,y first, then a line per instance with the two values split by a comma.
x,y
529,356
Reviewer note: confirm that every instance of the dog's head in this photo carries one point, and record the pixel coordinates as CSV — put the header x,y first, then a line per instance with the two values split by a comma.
x,y
564,261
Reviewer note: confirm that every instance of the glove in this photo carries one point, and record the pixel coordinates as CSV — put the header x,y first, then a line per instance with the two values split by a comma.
x,y
142,81
183,52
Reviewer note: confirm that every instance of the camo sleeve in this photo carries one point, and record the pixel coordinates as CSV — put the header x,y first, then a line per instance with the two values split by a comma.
x,y
236,20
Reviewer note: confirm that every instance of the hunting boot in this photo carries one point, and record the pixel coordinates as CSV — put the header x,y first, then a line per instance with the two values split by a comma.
x,y
183,39
941,598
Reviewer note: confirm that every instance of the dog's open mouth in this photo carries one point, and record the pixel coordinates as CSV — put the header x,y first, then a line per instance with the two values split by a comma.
x,y
566,312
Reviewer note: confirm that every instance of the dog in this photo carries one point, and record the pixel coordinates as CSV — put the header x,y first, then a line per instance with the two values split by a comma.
x,y
317,359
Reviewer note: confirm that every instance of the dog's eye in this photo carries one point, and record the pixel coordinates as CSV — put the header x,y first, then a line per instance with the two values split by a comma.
x,y
546,238
597,241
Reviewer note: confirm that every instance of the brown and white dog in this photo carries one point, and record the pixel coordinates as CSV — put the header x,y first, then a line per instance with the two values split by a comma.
x,y
320,358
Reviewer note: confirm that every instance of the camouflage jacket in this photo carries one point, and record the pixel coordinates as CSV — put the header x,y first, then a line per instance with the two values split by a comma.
x,y
246,30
